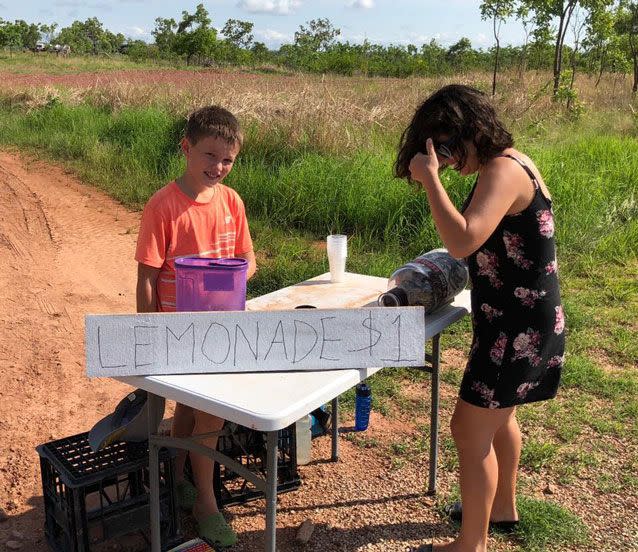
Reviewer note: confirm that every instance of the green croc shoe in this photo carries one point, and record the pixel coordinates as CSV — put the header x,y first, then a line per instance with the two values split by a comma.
x,y
214,529
186,495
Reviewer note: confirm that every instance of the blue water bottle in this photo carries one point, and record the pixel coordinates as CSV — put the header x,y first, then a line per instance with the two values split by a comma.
x,y
363,402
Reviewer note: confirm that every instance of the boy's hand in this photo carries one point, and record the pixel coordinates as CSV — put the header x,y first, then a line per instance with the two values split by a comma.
x,y
424,168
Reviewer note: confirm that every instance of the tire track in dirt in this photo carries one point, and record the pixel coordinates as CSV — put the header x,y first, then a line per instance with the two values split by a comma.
x,y
65,250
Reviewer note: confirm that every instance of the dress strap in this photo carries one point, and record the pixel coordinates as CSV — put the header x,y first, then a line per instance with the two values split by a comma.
x,y
525,167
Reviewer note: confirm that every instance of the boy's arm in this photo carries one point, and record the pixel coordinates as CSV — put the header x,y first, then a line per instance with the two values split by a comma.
x,y
252,263
146,291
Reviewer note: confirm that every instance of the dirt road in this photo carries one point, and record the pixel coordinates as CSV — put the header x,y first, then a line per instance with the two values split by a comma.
x,y
65,250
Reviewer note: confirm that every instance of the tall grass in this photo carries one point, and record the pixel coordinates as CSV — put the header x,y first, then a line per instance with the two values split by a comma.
x,y
46,62
133,151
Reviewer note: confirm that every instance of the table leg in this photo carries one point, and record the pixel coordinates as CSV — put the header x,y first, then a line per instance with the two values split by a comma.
x,y
335,429
271,491
434,413
153,467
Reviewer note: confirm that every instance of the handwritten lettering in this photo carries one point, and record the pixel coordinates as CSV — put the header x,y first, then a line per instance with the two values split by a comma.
x,y
254,351
190,327
282,341
140,344
295,340
209,343
173,343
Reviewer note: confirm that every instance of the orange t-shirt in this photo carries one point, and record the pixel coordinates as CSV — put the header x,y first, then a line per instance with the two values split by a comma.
x,y
174,225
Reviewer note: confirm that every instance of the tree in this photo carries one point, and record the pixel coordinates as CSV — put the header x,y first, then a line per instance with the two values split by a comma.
x,y
600,39
48,32
260,51
164,33
19,34
194,34
546,10
9,35
238,32
627,26
497,11
29,33
578,24
459,54
562,10
319,35
90,37
434,56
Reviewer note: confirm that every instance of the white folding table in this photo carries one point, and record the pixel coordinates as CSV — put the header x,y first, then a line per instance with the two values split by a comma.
x,y
270,401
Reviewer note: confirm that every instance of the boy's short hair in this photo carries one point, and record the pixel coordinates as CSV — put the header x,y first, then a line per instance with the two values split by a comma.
x,y
214,121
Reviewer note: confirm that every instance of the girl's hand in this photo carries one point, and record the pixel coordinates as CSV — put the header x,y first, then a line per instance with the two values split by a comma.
x,y
424,168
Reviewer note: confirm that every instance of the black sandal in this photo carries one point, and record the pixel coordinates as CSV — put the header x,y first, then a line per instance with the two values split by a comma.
x,y
455,512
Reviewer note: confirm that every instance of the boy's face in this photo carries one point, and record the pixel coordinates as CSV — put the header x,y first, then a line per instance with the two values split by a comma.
x,y
209,160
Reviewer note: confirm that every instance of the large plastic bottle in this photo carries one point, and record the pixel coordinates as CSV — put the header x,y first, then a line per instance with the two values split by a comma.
x,y
431,281
362,406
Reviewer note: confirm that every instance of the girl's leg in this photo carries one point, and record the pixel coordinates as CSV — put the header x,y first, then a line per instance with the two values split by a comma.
x,y
507,446
183,423
473,429
203,465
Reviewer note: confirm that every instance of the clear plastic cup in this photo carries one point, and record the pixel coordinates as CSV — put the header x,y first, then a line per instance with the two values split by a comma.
x,y
337,249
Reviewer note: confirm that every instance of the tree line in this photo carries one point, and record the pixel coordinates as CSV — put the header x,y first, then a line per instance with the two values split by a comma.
x,y
602,37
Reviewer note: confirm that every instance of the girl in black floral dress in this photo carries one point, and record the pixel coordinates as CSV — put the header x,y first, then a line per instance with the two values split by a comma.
x,y
505,230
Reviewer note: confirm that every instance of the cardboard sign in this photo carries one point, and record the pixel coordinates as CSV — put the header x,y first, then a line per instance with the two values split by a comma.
x,y
263,341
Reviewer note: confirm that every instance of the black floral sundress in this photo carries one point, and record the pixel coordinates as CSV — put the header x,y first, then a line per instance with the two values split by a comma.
x,y
518,323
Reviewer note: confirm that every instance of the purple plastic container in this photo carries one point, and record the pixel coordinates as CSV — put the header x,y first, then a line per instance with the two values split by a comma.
x,y
210,284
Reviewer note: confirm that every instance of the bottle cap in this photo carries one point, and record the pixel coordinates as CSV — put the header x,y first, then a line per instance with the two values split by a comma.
x,y
363,390
395,297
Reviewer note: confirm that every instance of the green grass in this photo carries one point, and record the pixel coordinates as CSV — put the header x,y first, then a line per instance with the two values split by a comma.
x,y
30,63
132,152
544,525
537,454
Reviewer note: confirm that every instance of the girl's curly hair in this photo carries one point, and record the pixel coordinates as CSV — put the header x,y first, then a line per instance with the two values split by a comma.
x,y
459,112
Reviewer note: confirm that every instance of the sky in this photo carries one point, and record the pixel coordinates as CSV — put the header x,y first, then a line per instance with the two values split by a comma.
x,y
384,22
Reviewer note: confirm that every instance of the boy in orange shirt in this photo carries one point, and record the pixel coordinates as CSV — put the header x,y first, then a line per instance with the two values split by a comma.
x,y
195,215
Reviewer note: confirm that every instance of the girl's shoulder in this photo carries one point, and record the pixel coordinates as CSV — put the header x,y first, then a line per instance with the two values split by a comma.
x,y
515,164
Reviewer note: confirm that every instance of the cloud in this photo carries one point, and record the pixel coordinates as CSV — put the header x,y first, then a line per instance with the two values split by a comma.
x,y
104,6
137,32
277,7
481,39
413,38
361,4
80,4
272,38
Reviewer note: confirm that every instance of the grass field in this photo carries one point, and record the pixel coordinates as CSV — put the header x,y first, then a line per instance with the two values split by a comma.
x,y
46,62
318,159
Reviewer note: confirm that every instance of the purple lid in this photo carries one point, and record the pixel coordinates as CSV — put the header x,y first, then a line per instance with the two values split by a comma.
x,y
231,263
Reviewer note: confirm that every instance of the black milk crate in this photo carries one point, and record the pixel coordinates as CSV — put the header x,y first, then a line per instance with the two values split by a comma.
x,y
92,497
248,447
